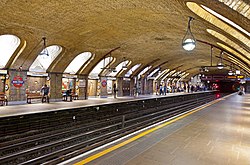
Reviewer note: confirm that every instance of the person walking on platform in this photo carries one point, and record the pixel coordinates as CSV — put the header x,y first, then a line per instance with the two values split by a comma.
x,y
45,93
241,91
114,89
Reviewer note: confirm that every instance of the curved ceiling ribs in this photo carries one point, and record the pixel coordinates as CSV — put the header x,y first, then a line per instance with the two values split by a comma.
x,y
147,33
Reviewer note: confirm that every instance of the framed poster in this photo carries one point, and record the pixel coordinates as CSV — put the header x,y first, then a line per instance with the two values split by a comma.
x,y
82,83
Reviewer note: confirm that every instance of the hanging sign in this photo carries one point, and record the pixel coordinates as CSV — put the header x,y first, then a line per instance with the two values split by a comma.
x,y
17,81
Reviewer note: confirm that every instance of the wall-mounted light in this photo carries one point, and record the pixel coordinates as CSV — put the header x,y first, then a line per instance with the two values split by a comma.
x,y
2,78
188,41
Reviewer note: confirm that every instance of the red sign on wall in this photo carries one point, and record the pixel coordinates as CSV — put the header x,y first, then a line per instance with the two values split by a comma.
x,y
104,83
17,81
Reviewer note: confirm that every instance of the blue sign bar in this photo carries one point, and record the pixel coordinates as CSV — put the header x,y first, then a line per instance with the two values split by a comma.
x,y
247,79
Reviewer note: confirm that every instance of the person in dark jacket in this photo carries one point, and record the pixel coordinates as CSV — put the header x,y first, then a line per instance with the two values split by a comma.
x,y
45,92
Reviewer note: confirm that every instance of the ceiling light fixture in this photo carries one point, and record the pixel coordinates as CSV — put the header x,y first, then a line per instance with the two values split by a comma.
x,y
220,64
188,41
231,71
44,53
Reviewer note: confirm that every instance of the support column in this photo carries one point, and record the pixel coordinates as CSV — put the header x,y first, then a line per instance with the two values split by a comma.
x,y
150,87
143,85
82,87
132,87
17,83
247,87
103,87
55,84
119,86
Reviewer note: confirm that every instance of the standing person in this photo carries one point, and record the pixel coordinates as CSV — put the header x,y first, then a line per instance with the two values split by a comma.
x,y
157,89
134,91
161,91
114,89
45,93
165,89
192,88
188,88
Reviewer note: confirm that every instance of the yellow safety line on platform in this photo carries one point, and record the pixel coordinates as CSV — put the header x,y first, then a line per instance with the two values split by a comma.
x,y
93,157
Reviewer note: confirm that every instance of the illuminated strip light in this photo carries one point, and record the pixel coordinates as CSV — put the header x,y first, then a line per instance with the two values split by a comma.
x,y
231,43
181,75
184,76
226,20
239,64
169,74
152,73
176,74
132,70
245,11
162,73
143,71
236,60
233,52
217,22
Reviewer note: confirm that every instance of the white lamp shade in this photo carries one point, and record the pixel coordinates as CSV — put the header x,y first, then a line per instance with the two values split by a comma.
x,y
189,44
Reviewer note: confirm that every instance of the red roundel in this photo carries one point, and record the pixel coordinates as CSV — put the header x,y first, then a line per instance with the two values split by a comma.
x,y
104,83
17,81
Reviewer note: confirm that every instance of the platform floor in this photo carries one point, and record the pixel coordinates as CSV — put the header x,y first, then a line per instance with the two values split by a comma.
x,y
215,135
37,106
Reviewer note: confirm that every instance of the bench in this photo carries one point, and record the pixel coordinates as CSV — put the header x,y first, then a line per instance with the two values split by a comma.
x,y
71,96
75,96
3,99
31,96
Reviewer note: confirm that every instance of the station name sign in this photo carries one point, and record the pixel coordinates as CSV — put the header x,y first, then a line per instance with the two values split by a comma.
x,y
236,77
222,77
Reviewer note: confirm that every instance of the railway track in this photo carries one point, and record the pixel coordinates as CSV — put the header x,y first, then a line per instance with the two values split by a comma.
x,y
51,146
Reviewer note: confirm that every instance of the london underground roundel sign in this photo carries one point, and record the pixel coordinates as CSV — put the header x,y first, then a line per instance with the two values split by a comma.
x,y
104,83
17,81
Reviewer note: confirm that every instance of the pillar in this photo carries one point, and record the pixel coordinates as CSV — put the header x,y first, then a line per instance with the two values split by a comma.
x,y
143,85
149,86
247,88
132,87
82,87
119,86
17,83
103,87
55,85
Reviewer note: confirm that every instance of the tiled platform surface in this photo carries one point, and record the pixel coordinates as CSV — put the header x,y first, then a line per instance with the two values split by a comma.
x,y
37,107
216,135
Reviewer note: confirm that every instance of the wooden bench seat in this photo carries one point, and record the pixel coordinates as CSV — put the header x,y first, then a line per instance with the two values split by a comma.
x,y
71,96
31,96
75,96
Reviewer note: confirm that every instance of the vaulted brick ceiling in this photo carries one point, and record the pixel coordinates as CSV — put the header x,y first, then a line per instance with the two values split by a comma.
x,y
144,31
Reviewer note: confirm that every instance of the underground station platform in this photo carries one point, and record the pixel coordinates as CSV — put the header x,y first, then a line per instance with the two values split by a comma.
x,y
195,128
